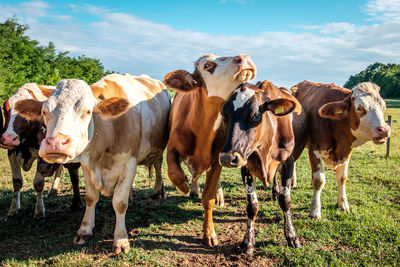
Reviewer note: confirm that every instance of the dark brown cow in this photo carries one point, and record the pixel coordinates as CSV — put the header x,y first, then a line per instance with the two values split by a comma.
x,y
195,133
260,138
338,120
22,139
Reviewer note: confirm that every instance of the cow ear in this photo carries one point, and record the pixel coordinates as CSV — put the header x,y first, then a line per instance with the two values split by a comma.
x,y
336,110
29,109
182,80
279,107
112,107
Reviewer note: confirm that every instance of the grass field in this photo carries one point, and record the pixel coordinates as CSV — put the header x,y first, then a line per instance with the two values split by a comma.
x,y
169,232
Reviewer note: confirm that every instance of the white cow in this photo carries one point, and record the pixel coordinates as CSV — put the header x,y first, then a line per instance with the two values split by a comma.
x,y
108,137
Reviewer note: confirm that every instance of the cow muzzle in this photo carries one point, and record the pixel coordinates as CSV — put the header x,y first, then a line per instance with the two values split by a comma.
x,y
231,160
247,70
9,141
383,133
56,149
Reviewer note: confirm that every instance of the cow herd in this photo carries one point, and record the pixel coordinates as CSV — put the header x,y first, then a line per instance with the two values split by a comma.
x,y
216,119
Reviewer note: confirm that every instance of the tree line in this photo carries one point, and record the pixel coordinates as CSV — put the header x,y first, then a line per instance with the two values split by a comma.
x,y
23,60
387,76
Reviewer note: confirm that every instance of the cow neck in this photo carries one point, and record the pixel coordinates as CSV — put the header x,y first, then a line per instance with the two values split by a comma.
x,y
204,114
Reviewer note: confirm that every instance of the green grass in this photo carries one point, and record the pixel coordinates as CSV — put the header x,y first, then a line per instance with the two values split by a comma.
x,y
169,232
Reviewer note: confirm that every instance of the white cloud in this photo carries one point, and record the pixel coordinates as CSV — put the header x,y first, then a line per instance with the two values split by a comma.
x,y
383,10
125,43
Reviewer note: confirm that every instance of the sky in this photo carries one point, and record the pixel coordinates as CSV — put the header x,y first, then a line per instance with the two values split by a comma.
x,y
288,40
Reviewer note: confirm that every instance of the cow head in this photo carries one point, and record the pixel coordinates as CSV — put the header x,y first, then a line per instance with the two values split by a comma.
x,y
69,118
218,75
364,107
16,129
249,116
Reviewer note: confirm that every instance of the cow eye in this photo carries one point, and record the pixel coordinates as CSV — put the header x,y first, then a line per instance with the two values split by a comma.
x,y
206,66
256,117
360,108
84,114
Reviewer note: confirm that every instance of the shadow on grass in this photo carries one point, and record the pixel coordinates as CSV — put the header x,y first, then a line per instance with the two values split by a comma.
x,y
23,238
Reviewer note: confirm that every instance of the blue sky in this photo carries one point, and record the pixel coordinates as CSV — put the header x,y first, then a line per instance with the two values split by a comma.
x,y
290,41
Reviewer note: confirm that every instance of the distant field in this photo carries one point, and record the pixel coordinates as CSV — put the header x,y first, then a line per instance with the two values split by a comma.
x,y
169,232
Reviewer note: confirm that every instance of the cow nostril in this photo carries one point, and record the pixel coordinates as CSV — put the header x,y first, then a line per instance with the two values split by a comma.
x,y
235,160
15,138
381,129
237,59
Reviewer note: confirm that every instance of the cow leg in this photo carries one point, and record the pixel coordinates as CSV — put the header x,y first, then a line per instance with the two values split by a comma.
x,y
175,172
275,188
341,178
73,169
195,187
38,184
120,204
318,182
91,197
219,195
284,202
294,176
159,185
252,210
17,184
55,187
208,201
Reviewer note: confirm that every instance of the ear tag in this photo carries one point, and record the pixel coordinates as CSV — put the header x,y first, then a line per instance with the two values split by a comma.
x,y
339,111
278,110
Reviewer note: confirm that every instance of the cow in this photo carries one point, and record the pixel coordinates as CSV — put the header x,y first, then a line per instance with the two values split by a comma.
x,y
21,138
195,134
111,87
108,137
337,121
260,139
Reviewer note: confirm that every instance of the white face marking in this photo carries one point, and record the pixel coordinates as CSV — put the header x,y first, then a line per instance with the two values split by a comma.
x,y
217,122
368,99
68,108
226,76
242,97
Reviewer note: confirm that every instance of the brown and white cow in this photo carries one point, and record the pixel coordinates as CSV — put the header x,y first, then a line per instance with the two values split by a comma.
x,y
22,139
195,133
109,138
338,120
260,138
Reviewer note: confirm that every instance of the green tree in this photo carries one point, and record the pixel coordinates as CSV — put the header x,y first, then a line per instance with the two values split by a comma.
x,y
387,76
24,60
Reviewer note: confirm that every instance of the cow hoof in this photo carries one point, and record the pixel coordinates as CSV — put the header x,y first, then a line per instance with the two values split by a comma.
x,y
344,206
76,206
219,198
314,216
11,214
194,195
39,217
220,202
245,248
121,245
160,195
211,241
53,192
293,242
81,239
183,188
